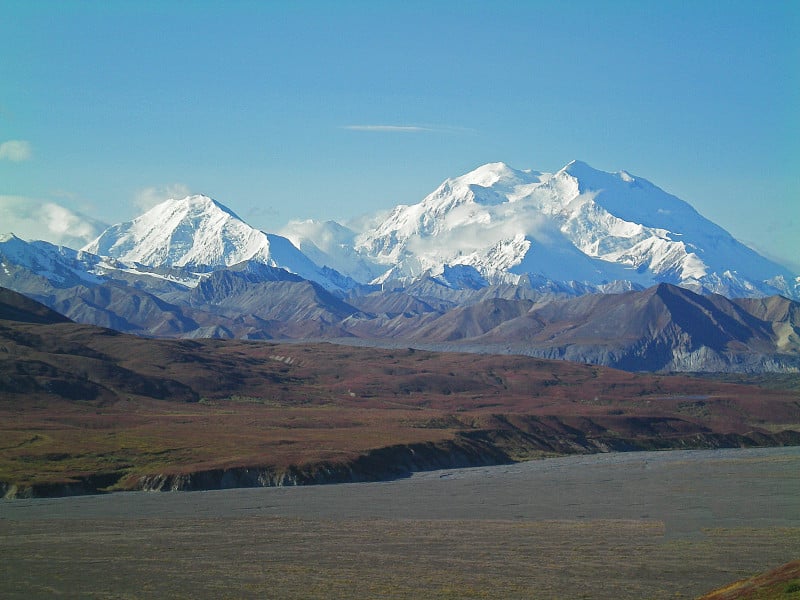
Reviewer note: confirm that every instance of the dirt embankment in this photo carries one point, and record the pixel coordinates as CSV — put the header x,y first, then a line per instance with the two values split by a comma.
x,y
90,484
506,444
467,450
377,465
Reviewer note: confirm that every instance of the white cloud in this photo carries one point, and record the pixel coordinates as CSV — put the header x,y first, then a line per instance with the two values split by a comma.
x,y
36,220
15,150
149,197
368,221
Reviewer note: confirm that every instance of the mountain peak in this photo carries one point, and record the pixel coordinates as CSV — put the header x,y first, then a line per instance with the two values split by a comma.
x,y
577,164
197,203
8,237
192,231
496,173
491,169
664,289
201,234
590,178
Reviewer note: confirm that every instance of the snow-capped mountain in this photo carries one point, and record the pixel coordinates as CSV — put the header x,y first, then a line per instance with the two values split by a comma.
x,y
194,232
59,265
576,225
200,234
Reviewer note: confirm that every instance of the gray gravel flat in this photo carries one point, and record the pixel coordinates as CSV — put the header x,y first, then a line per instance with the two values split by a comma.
x,y
687,490
628,525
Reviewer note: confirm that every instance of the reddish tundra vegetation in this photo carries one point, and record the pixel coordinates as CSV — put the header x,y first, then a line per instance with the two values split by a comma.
x,y
782,583
85,409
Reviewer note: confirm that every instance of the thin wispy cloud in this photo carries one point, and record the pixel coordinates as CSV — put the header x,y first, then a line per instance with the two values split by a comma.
x,y
388,128
16,150
406,129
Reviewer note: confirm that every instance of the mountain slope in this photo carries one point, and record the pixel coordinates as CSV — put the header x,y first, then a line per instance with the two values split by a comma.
x,y
663,328
58,265
262,306
19,308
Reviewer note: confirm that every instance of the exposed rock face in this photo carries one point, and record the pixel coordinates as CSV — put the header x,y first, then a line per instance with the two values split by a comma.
x,y
380,464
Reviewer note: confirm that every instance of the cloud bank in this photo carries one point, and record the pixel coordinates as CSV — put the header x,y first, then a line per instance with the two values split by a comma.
x,y
32,219
16,150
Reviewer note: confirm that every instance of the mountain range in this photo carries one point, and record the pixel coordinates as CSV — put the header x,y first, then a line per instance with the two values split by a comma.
x,y
579,264
577,228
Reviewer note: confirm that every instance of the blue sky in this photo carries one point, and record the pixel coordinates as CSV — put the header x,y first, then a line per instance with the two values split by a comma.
x,y
330,110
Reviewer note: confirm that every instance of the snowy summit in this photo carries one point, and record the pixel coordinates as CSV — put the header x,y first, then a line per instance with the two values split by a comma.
x,y
578,225
192,232
201,234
